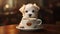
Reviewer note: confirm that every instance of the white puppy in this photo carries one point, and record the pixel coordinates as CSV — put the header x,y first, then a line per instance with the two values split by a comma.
x,y
29,11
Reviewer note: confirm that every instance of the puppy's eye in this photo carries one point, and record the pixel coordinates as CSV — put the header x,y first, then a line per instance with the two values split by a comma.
x,y
26,11
33,11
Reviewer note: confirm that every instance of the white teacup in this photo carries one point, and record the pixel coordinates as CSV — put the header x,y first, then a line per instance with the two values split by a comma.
x,y
31,23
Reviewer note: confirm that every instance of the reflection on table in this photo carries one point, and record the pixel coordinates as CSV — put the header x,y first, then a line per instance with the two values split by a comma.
x,y
47,29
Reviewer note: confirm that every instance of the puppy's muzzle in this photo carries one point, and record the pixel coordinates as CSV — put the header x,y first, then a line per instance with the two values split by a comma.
x,y
30,15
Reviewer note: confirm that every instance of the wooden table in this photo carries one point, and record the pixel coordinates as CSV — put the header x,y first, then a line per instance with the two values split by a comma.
x,y
48,29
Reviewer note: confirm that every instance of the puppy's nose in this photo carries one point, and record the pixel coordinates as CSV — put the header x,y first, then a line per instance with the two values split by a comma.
x,y
30,14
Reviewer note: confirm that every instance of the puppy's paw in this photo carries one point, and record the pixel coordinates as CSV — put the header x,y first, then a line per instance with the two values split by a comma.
x,y
19,27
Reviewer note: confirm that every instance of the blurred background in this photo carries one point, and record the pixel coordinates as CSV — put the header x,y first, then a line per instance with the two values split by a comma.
x,y
10,14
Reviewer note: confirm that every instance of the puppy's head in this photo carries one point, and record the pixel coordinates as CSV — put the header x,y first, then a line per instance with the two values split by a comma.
x,y
29,10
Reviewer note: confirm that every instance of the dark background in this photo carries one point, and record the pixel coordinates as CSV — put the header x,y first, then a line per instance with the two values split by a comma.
x,y
49,12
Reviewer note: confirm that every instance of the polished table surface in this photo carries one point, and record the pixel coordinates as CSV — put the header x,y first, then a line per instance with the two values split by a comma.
x,y
47,29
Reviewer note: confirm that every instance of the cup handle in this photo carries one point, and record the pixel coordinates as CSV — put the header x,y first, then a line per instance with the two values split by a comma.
x,y
39,22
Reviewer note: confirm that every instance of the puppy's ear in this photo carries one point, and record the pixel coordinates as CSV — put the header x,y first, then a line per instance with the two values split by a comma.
x,y
22,9
38,8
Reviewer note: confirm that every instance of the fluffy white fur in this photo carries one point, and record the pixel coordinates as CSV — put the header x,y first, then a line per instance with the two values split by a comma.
x,y
29,9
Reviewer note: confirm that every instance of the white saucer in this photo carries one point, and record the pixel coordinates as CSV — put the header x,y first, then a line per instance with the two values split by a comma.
x,y
29,28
